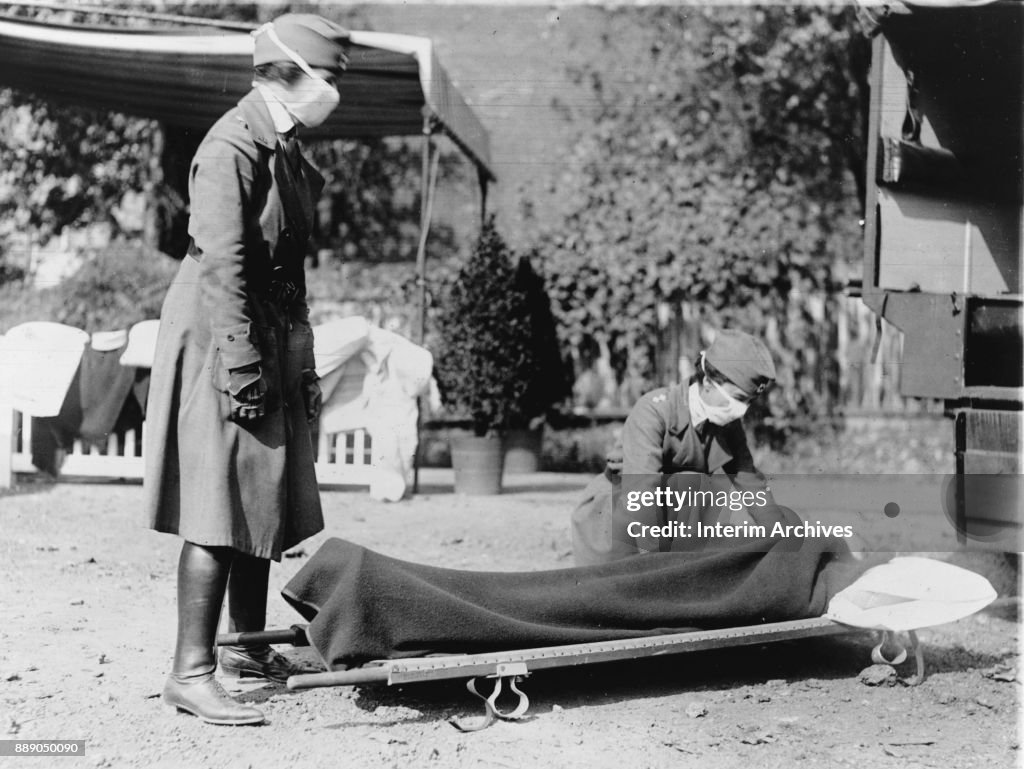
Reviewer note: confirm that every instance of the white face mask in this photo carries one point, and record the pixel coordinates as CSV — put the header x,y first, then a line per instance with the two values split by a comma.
x,y
310,100
314,100
730,412
722,415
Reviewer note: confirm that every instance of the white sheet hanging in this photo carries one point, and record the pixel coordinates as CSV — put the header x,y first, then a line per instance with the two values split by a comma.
x,y
38,361
336,341
376,389
105,341
141,347
401,374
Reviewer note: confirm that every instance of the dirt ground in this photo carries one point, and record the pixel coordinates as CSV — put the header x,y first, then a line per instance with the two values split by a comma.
x,y
87,607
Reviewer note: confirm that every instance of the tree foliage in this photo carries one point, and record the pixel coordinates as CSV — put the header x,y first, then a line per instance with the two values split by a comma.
x,y
551,381
370,206
115,289
61,166
68,166
718,172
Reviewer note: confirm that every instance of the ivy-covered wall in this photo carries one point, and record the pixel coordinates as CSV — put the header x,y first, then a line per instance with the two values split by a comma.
x,y
717,186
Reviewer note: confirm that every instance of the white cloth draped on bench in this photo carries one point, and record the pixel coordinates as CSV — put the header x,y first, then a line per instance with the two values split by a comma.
x,y
371,380
38,361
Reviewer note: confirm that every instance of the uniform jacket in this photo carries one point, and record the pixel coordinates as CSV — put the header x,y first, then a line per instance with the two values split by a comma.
x,y
209,479
658,443
658,438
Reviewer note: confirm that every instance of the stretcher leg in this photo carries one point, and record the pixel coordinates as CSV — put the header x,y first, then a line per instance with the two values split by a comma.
x,y
888,641
915,646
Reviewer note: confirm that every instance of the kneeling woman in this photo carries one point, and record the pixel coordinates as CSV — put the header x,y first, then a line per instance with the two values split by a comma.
x,y
684,439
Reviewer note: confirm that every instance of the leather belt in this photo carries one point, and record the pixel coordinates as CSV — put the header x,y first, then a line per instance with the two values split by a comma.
x,y
278,289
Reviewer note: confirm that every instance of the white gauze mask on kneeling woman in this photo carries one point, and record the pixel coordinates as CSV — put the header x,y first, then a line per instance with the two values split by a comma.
x,y
732,410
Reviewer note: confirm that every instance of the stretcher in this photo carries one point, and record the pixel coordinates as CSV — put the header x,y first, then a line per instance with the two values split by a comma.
x,y
509,668
894,600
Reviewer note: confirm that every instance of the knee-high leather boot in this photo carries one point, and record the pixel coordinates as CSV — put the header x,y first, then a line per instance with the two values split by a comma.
x,y
247,611
202,578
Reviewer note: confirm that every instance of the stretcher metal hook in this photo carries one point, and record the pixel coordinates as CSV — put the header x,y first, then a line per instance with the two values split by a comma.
x,y
888,639
511,672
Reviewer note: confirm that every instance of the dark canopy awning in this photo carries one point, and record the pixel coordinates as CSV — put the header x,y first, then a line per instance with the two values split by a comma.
x,y
392,84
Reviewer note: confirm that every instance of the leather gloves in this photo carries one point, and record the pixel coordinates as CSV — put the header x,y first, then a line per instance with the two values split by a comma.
x,y
248,393
312,398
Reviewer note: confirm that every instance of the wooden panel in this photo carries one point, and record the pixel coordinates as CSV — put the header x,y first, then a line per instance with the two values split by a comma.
x,y
994,431
991,462
992,501
942,243
961,234
933,343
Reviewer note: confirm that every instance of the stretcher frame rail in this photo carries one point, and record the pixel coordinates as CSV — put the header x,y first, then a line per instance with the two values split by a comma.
x,y
511,666
411,670
402,671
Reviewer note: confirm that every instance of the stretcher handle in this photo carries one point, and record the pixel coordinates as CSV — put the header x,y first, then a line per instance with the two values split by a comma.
x,y
294,635
370,675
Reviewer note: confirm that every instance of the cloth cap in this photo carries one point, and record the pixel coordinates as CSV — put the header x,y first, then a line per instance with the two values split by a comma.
x,y
743,360
321,43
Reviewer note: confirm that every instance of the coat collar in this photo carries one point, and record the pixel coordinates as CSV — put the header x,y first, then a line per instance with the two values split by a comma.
x,y
256,117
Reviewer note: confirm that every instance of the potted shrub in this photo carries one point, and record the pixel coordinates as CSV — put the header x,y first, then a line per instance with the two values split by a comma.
x,y
484,362
549,382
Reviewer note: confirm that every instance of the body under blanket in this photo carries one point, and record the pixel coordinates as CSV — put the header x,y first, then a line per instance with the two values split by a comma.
x,y
362,605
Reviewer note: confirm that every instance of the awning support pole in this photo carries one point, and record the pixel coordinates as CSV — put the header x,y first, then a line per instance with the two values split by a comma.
x,y
428,185
483,180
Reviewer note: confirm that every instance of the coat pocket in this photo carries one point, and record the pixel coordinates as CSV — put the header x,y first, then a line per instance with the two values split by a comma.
x,y
233,347
265,341
237,345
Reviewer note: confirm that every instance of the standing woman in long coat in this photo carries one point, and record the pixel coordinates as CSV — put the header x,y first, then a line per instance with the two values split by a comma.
x,y
229,461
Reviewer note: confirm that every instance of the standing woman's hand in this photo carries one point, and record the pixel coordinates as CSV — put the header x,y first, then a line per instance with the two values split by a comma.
x,y
248,393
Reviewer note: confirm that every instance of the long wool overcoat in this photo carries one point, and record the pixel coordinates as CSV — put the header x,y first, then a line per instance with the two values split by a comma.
x,y
209,479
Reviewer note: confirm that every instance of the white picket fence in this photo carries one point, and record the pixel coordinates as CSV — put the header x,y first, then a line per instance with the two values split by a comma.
x,y
342,458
